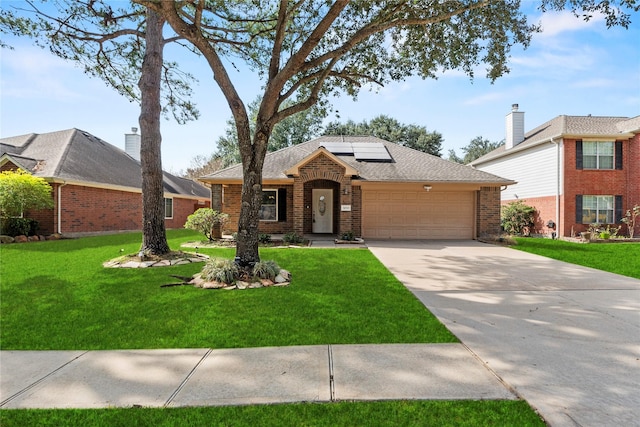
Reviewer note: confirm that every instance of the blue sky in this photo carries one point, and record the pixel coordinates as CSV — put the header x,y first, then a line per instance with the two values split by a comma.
x,y
572,68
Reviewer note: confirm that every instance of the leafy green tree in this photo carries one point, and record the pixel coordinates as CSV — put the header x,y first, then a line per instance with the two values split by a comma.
x,y
477,148
307,51
292,130
20,192
124,47
390,129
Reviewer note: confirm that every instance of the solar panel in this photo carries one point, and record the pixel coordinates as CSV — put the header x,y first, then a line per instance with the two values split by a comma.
x,y
338,147
362,151
371,151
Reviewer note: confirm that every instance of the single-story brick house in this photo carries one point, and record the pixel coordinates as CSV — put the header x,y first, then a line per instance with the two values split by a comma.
x,y
96,187
575,170
371,187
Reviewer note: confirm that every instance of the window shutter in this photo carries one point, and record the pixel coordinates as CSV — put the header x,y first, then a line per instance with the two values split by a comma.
x,y
282,204
578,208
617,216
579,154
618,153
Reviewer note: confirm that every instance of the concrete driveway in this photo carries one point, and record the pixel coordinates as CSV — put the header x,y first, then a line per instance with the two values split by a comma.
x,y
566,338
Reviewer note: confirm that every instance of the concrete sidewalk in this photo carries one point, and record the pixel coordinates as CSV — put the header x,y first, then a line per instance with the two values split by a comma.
x,y
205,377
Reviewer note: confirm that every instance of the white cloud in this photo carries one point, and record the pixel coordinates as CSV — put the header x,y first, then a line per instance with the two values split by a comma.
x,y
554,23
594,83
36,73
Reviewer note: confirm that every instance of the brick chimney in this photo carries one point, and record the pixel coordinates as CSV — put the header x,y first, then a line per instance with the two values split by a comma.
x,y
514,127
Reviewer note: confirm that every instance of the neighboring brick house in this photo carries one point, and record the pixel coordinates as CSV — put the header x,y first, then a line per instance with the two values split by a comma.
x,y
575,170
371,187
96,187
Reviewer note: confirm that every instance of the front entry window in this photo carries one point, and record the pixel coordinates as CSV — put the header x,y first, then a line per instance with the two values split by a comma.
x,y
597,209
269,208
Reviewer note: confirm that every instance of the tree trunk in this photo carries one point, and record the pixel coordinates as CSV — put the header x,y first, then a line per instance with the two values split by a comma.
x,y
154,238
252,162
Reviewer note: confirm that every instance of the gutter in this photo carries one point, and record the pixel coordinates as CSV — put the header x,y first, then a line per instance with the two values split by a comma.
x,y
557,144
62,184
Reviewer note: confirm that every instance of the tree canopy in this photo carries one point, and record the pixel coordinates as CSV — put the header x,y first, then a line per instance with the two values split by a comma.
x,y
20,192
387,128
306,51
476,148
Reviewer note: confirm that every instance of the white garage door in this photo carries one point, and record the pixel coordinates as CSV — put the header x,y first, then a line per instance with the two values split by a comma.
x,y
388,214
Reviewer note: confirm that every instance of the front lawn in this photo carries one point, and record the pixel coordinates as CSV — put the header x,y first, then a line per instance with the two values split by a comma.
x,y
57,296
620,258
389,413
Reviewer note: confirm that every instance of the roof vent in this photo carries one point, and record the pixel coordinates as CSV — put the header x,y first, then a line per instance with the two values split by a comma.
x,y
514,127
132,143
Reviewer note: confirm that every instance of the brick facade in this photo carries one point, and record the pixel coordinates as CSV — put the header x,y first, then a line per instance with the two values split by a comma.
x,y
623,182
488,211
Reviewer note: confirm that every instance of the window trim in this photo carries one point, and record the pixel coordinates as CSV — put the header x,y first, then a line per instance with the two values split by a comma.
x,y
597,209
598,156
165,208
274,190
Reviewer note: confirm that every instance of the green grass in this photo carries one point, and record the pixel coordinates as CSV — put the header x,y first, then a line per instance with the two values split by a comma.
x,y
388,413
57,296
620,258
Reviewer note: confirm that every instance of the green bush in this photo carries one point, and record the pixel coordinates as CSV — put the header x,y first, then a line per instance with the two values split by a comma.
x,y
517,218
264,238
292,237
19,226
221,270
348,236
208,222
266,270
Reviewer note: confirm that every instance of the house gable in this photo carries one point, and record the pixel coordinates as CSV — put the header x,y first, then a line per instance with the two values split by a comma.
x,y
321,151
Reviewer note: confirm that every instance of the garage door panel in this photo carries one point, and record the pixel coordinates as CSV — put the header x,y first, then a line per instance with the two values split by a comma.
x,y
417,215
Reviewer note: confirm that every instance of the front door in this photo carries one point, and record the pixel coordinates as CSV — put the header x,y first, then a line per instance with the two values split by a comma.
x,y
322,210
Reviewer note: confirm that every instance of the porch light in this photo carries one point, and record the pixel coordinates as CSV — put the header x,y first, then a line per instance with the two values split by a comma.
x,y
427,187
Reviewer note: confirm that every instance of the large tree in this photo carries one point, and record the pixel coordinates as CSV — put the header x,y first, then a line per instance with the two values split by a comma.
x,y
292,130
390,129
124,47
476,148
307,50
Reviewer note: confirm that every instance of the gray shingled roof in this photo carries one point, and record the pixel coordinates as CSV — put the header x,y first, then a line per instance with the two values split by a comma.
x,y
569,126
76,155
408,165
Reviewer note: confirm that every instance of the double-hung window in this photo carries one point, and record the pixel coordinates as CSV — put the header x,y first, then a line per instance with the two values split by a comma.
x,y
269,208
597,209
597,154
168,208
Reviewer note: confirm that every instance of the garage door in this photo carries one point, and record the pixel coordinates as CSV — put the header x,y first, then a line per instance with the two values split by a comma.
x,y
388,214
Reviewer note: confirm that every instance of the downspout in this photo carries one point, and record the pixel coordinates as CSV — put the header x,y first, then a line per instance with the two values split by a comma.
x,y
60,206
557,186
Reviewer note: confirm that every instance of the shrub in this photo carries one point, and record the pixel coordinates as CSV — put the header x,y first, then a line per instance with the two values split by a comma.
x,y
19,226
292,237
264,238
630,219
348,236
266,269
220,270
517,218
207,221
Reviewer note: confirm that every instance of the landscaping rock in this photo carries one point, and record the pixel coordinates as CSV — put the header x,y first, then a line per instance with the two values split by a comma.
x,y
213,285
282,284
21,239
255,285
55,236
6,239
33,238
283,276
242,285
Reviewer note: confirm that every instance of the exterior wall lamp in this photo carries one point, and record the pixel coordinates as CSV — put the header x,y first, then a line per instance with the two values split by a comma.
x,y
427,187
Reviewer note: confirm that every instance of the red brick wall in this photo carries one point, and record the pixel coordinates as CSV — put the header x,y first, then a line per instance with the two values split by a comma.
x,y
598,182
182,208
488,219
545,211
232,202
